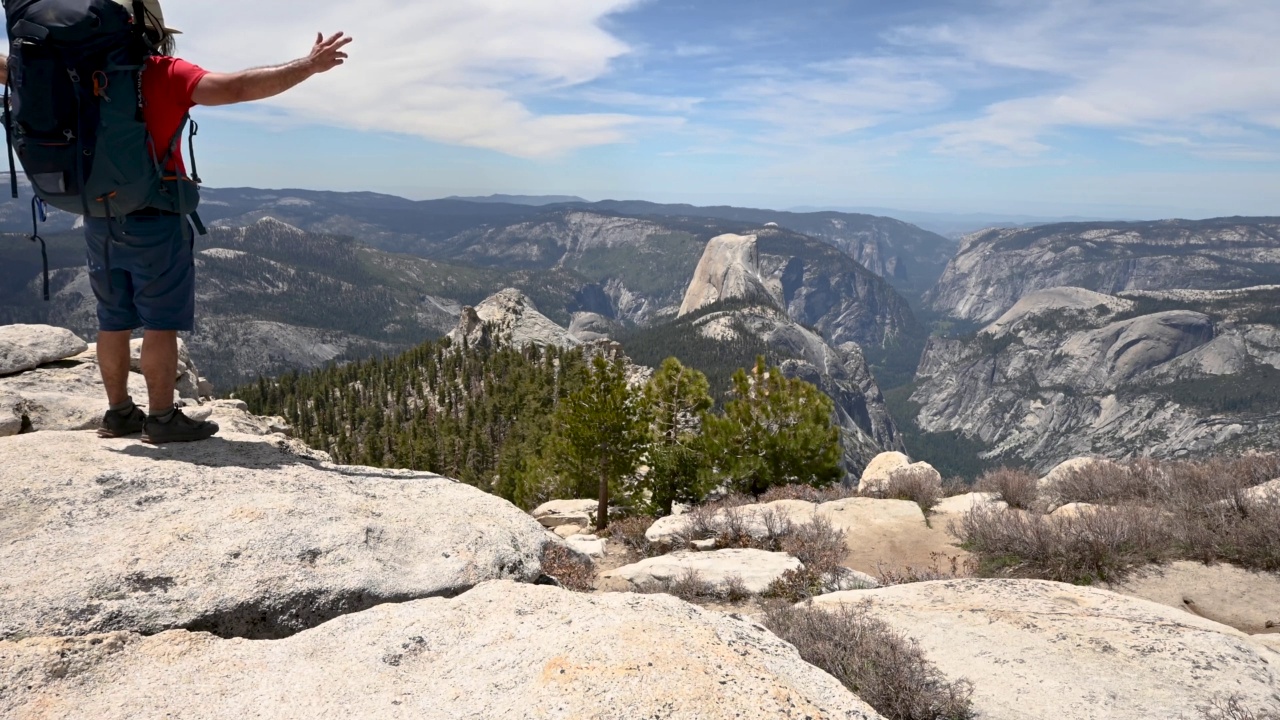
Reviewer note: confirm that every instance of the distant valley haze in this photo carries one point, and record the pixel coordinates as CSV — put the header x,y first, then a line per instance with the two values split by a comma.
x,y
1129,109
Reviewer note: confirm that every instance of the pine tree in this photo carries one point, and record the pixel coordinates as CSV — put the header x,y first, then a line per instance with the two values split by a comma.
x,y
598,435
775,431
676,398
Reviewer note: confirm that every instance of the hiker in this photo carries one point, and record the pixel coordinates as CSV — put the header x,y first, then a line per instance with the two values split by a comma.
x,y
142,263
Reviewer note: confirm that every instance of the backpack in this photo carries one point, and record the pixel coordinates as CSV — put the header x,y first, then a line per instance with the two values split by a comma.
x,y
73,112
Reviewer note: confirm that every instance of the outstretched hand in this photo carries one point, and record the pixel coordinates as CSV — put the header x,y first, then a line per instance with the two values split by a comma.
x,y
327,53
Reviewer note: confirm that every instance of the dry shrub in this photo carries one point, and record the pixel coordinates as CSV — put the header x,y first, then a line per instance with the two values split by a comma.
x,y
573,571
878,664
688,586
1257,468
941,567
1149,511
1100,545
954,486
818,544
629,533
1233,708
1017,488
735,589
731,527
808,493
820,547
917,485
1242,531
1101,483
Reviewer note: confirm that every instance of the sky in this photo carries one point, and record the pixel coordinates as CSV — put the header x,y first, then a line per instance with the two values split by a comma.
x,y
1103,108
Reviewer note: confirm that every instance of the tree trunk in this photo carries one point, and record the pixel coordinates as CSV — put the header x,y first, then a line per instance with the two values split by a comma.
x,y
602,510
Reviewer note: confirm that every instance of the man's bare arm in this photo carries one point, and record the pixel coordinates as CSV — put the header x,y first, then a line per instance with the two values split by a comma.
x,y
4,69
262,83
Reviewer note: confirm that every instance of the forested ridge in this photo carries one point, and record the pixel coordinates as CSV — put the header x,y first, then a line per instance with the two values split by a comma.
x,y
534,423
470,413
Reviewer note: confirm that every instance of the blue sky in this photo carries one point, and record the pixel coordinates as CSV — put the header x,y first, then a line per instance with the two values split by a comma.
x,y
1125,108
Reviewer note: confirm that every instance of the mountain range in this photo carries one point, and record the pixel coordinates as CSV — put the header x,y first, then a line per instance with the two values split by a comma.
x,y
1027,345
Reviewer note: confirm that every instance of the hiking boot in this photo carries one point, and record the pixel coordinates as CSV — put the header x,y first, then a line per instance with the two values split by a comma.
x,y
120,423
173,426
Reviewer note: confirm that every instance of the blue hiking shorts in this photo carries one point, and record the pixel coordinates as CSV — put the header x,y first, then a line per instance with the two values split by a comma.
x,y
143,272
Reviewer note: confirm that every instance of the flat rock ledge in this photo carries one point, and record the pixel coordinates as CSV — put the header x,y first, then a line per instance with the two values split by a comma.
x,y
502,650
757,569
241,536
1036,649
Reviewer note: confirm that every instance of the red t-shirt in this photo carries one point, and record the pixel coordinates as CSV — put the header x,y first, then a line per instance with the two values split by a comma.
x,y
167,86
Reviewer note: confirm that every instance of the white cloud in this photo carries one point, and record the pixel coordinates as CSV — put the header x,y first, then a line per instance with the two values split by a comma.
x,y
827,100
460,72
1132,65
1202,70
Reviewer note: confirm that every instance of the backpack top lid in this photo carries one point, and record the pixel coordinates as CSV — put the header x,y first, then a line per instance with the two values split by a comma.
x,y
155,15
67,22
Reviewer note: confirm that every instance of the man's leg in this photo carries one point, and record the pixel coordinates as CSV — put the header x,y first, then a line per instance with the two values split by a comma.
x,y
117,316
113,361
160,368
166,299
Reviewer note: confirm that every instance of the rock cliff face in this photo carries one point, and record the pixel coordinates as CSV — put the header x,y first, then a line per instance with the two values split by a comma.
x,y
815,286
510,317
995,268
1069,372
729,270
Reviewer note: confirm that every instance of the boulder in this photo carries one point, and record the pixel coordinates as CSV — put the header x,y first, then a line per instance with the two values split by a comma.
x,y
236,404
844,579
756,520
1074,510
27,347
886,465
756,568
1247,601
66,396
880,468
1070,466
1270,641
69,395
557,513
1266,492
1036,649
960,504
566,531
239,535
589,545
889,533
233,416
502,650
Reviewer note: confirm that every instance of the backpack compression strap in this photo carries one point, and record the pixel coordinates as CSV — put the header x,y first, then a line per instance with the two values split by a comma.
x,y
8,140
37,213
174,145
